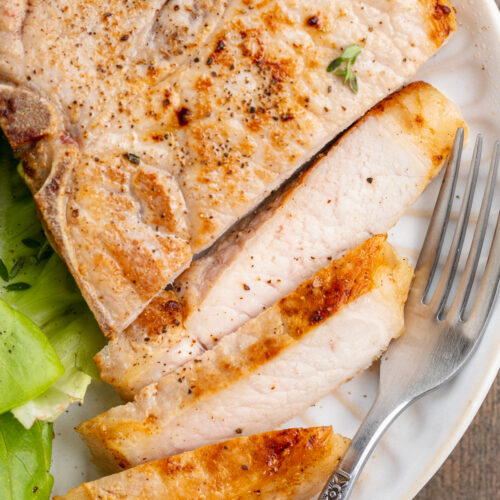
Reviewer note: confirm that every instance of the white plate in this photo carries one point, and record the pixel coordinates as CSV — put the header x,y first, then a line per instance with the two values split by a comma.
x,y
468,71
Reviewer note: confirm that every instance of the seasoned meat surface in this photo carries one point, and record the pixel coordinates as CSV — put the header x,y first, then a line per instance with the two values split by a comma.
x,y
361,186
271,369
277,465
148,128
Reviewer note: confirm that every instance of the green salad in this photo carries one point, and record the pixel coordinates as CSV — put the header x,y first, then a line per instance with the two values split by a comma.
x,y
48,338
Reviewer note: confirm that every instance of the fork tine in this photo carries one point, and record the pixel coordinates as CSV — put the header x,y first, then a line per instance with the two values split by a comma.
x,y
462,297
443,289
431,248
488,288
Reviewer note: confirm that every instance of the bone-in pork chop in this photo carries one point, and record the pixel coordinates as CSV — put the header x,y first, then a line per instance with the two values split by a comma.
x,y
148,128
360,187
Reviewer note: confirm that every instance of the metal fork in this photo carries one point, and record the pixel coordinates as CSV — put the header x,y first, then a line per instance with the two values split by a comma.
x,y
438,340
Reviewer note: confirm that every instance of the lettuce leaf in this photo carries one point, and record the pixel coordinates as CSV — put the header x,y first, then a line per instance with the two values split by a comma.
x,y
72,337
24,460
28,362
48,296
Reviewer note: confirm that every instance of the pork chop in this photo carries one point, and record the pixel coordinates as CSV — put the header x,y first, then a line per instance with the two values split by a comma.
x,y
272,368
148,128
288,464
155,344
361,186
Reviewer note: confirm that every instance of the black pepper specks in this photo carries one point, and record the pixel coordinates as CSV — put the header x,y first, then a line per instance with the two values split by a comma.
x,y
132,158
369,180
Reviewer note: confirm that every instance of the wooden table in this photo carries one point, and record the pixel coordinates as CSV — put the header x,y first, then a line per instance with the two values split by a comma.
x,y
472,471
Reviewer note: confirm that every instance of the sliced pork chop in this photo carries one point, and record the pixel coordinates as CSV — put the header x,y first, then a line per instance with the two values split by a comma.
x,y
271,369
148,129
360,187
155,344
288,464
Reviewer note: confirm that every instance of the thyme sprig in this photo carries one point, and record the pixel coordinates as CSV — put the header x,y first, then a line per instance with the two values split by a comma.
x,y
348,58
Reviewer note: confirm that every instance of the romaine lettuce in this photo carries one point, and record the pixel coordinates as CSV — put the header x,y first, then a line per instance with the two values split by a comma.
x,y
28,363
76,338
24,460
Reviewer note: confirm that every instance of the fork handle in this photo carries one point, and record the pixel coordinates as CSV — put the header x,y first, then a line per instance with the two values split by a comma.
x,y
381,415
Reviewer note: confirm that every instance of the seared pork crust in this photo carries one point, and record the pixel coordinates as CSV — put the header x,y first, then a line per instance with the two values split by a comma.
x,y
162,123
156,343
269,370
361,186
287,464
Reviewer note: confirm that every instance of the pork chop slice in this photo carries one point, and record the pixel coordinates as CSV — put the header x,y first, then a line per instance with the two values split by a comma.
x,y
147,129
272,368
361,186
287,464
155,344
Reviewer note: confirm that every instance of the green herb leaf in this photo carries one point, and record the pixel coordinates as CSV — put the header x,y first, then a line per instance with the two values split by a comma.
x,y
353,83
349,56
4,274
334,64
24,460
31,243
351,52
45,252
18,265
17,287
28,363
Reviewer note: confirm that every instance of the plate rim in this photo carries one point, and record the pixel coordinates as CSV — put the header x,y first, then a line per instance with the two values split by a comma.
x,y
491,369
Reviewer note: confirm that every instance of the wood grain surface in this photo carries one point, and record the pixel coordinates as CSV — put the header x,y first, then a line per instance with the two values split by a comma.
x,y
472,471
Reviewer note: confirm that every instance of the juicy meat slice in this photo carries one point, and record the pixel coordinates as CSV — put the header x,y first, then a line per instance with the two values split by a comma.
x,y
171,120
361,186
156,343
326,331
287,464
